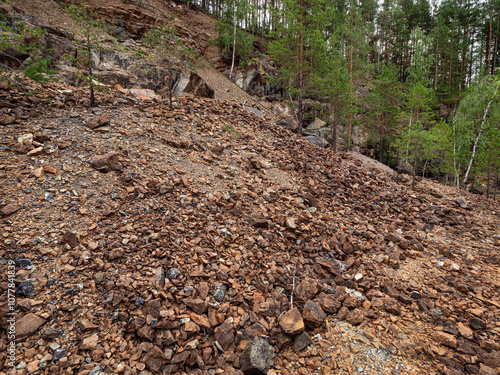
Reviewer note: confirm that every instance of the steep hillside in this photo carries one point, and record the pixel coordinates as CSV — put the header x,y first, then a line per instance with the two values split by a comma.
x,y
209,240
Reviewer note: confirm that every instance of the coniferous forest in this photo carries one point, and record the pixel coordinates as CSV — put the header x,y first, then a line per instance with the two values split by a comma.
x,y
419,77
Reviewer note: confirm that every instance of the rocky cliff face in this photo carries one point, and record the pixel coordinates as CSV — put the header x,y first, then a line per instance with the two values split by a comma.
x,y
121,61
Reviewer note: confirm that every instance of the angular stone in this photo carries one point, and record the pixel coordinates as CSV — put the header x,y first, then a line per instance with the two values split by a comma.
x,y
461,202
101,120
219,292
446,339
465,331
172,273
280,339
329,264
351,302
491,359
181,357
154,360
301,342
27,325
89,343
10,209
59,353
476,323
291,322
486,370
107,162
306,290
197,305
355,317
70,238
26,289
260,223
50,333
224,334
152,308
329,303
257,357
313,314
391,306
343,312
256,330
86,325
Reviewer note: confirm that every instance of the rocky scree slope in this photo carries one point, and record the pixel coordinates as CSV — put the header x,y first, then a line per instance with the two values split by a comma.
x,y
148,241
122,58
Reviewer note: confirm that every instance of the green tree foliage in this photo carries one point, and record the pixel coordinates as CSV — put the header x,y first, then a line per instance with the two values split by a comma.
x,y
299,47
475,126
26,41
235,42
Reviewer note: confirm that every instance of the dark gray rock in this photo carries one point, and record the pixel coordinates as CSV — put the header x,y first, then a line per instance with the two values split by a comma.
x,y
257,357
288,123
96,370
302,341
461,202
172,273
255,110
24,263
59,353
26,289
477,323
219,292
318,141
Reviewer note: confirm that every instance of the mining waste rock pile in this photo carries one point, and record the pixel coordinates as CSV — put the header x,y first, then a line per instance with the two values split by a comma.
x,y
208,240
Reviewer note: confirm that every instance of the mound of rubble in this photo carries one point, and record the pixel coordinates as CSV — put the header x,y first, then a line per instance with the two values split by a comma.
x,y
209,240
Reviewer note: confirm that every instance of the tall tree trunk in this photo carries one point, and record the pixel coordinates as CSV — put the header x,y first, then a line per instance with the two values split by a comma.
x,y
436,63
301,70
350,103
451,59
381,143
389,42
489,39
91,80
496,45
334,125
234,44
414,165
496,187
488,182
474,148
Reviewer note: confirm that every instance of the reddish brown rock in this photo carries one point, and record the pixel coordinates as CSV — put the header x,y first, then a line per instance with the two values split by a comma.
x,y
86,325
329,303
107,162
491,359
198,305
101,120
70,238
27,325
224,334
313,314
291,322
154,360
280,339
89,343
355,317
391,306
10,209
306,290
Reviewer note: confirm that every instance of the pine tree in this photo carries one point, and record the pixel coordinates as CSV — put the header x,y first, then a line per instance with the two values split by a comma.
x,y
295,44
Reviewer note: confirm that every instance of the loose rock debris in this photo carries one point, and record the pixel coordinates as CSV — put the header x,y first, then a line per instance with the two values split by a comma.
x,y
182,257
